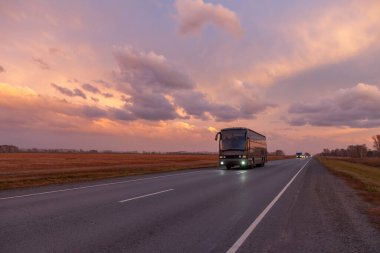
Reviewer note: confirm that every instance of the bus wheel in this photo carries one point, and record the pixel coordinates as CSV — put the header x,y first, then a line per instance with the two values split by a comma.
x,y
228,167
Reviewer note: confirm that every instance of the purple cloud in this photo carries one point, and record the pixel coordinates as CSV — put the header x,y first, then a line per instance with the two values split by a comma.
x,y
151,78
90,88
352,107
150,70
41,63
107,95
93,112
71,93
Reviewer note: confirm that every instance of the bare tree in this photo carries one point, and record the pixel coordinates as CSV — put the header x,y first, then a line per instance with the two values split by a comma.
x,y
376,142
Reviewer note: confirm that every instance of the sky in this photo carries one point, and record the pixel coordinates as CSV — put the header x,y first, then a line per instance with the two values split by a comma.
x,y
167,75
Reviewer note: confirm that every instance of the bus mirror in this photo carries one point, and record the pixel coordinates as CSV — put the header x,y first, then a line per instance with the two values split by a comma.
x,y
216,136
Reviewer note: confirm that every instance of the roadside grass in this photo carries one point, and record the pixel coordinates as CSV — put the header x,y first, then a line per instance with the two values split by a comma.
x,y
37,169
363,178
370,161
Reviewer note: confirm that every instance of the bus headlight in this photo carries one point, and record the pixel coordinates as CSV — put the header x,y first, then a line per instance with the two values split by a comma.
x,y
243,162
221,163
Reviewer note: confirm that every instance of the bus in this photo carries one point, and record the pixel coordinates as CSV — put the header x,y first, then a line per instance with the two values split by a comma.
x,y
239,146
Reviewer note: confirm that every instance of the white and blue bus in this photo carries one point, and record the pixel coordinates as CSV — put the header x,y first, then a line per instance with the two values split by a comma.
x,y
241,147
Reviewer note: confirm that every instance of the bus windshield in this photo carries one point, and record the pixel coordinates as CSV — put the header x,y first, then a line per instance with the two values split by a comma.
x,y
233,140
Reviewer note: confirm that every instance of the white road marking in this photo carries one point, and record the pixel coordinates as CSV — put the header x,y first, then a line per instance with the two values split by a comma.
x,y
97,185
146,195
256,222
241,172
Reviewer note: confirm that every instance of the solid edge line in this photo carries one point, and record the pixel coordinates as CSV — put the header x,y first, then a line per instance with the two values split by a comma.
x,y
146,195
256,222
97,185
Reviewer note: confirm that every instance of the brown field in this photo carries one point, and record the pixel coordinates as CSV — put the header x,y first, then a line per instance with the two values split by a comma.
x,y
363,178
370,161
35,169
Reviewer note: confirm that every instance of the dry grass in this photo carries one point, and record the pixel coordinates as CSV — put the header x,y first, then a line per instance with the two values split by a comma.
x,y
35,169
370,161
363,178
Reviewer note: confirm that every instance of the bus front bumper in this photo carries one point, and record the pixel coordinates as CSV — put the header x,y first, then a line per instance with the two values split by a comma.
x,y
234,162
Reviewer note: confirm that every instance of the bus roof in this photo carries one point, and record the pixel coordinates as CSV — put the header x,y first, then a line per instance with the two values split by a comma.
x,y
241,128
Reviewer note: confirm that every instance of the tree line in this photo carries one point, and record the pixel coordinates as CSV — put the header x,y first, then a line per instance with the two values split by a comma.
x,y
357,151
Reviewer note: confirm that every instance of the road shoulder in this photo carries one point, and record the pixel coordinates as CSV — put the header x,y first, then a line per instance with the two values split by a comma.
x,y
318,213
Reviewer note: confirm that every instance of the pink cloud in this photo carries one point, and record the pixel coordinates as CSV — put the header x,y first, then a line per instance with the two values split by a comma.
x,y
195,14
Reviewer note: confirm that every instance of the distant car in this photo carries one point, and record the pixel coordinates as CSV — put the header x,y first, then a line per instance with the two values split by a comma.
x,y
299,155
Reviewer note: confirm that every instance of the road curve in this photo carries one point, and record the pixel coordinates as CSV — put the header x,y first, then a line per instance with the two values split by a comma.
x,y
206,210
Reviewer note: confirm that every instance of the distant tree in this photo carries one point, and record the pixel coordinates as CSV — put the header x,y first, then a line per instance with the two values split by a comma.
x,y
359,151
8,149
376,142
326,152
279,152
307,154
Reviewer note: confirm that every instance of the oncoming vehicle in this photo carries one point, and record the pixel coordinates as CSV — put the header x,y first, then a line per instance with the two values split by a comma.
x,y
299,155
241,147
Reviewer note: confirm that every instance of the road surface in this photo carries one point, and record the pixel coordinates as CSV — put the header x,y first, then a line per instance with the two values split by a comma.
x,y
287,206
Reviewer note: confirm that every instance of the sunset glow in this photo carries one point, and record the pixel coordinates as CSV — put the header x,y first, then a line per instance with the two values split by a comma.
x,y
167,75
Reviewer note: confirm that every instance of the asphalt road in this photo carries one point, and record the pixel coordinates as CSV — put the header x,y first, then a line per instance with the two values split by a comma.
x,y
287,206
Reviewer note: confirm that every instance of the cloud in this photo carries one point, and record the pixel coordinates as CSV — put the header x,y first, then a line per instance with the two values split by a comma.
x,y
158,91
107,95
93,112
41,63
90,88
95,99
150,78
22,107
325,36
122,114
150,106
197,104
250,106
356,107
71,93
79,93
194,103
104,83
150,70
195,14
2,69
